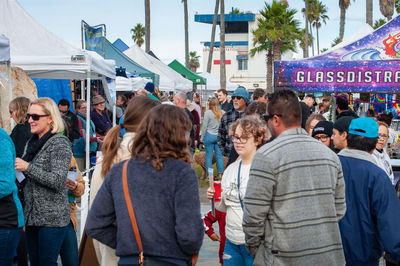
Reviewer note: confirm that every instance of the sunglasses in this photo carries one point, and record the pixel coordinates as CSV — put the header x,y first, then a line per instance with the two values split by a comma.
x,y
236,97
35,117
268,117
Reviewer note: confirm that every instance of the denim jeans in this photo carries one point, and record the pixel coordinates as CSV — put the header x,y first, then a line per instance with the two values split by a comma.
x,y
9,239
211,145
69,248
236,255
44,244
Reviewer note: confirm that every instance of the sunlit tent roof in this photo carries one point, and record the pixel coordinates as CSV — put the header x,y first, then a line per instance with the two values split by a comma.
x,y
121,60
42,54
181,69
169,79
4,49
370,64
120,45
213,83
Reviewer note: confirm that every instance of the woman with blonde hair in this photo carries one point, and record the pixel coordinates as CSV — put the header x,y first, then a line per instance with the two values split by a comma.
x,y
209,135
45,165
114,151
164,192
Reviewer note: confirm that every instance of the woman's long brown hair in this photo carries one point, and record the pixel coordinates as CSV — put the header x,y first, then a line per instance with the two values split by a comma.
x,y
213,105
164,133
136,110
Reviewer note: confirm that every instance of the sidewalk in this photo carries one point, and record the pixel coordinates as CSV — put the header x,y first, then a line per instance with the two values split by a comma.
x,y
209,250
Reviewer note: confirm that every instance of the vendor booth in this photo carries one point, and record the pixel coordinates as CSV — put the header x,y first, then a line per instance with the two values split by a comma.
x,y
5,81
169,79
370,64
181,69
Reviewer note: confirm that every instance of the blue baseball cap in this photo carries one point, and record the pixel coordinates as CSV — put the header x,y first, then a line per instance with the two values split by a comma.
x,y
241,92
364,126
149,87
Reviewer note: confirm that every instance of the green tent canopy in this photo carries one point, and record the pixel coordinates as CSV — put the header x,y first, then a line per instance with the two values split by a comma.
x,y
181,69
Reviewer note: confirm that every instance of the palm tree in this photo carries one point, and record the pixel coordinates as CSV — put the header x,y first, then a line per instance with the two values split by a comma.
x,y
369,12
185,10
387,8
310,18
343,4
194,61
277,32
323,50
319,11
304,42
210,54
222,72
236,11
397,6
147,24
379,23
336,41
138,32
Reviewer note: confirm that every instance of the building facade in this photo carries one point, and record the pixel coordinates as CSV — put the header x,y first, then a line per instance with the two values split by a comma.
x,y
241,68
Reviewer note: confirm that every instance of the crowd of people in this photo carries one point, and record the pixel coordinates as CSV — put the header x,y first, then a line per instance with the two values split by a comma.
x,y
297,188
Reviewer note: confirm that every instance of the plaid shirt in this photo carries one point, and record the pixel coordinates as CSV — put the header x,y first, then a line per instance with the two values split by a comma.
x,y
224,141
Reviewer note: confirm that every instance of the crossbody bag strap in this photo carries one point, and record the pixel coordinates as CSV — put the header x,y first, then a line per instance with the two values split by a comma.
x,y
131,212
238,185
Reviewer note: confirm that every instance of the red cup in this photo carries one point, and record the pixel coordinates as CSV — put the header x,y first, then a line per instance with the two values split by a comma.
x,y
217,188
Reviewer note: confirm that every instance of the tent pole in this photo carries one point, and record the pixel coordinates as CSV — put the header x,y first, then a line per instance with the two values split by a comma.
x,y
82,89
85,196
10,92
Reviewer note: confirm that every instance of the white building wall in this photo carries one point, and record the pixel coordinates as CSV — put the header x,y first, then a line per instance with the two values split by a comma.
x,y
252,78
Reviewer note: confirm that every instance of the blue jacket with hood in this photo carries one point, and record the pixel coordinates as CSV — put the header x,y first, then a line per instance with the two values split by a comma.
x,y
371,224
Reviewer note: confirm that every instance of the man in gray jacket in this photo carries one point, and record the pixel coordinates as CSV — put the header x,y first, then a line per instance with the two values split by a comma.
x,y
295,195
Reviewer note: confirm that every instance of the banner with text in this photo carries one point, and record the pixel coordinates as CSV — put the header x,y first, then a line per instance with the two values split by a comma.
x,y
371,64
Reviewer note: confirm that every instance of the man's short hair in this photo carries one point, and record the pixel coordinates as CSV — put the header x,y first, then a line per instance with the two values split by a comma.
x,y
258,93
285,103
64,102
182,96
342,102
361,143
223,91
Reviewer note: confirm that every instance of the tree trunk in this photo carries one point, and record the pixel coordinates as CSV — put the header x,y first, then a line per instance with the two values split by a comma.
x,y
270,74
214,26
305,51
317,40
185,7
342,22
277,56
147,23
369,18
312,40
387,8
222,48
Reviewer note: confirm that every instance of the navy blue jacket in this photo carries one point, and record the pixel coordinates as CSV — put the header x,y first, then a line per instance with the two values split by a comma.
x,y
166,205
371,224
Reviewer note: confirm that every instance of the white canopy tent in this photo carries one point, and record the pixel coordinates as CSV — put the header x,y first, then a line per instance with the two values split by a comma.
x,y
5,59
170,80
213,83
43,55
130,84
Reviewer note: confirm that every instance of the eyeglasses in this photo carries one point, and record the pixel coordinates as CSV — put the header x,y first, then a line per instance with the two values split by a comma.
x,y
237,97
242,139
268,117
322,138
35,117
383,136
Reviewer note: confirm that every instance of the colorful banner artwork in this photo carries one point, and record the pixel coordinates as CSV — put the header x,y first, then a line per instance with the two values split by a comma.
x,y
371,64
94,40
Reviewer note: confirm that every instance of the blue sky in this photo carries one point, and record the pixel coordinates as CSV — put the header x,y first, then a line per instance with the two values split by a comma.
x,y
63,17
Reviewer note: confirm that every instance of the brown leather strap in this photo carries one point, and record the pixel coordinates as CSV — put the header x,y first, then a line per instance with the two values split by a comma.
x,y
131,212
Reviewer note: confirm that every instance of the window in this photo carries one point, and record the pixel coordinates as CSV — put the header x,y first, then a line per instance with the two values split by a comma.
x,y
242,64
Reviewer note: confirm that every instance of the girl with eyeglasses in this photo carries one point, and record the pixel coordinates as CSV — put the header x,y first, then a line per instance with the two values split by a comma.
x,y
45,165
248,134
